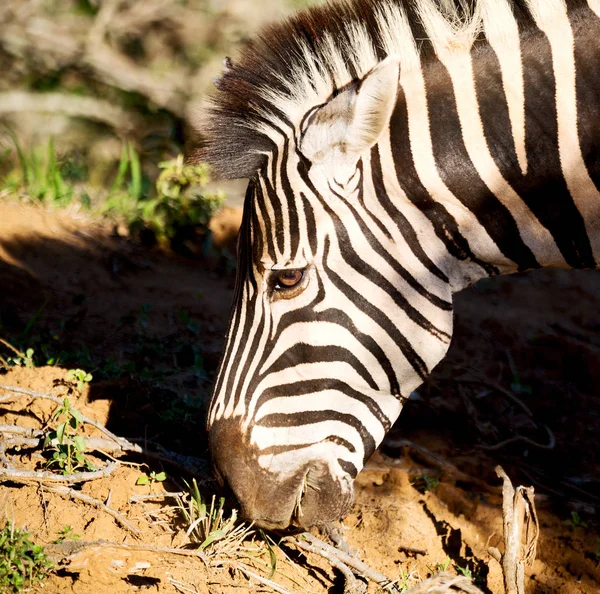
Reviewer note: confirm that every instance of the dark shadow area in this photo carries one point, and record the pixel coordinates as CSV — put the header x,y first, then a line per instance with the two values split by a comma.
x,y
148,326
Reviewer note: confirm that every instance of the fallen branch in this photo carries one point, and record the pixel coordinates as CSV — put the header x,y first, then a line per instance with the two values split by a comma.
x,y
311,544
40,476
521,533
74,106
261,580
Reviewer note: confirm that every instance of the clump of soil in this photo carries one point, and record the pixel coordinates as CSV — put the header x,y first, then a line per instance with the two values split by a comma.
x,y
518,388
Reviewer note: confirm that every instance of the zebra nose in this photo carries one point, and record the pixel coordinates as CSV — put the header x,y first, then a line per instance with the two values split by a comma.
x,y
306,496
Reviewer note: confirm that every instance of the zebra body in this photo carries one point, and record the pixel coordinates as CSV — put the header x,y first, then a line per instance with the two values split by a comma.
x,y
394,160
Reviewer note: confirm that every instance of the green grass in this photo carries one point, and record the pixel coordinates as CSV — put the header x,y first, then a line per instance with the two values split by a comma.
x,y
23,564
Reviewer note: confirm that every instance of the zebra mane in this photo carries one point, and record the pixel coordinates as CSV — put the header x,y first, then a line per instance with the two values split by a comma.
x,y
298,64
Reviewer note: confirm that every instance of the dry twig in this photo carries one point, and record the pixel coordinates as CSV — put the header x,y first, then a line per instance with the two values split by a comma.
x,y
311,544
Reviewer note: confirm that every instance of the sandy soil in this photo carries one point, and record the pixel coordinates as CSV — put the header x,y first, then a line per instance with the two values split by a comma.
x,y
522,375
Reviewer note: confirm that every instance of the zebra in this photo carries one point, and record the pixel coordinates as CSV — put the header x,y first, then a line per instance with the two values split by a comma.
x,y
397,151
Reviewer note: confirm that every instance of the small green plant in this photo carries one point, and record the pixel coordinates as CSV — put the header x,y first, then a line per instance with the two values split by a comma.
x,y
424,483
68,448
66,533
438,567
80,376
179,204
464,571
404,582
23,360
575,521
208,525
154,477
23,564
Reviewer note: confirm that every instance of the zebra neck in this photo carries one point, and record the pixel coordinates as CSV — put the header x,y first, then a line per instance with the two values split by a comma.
x,y
497,148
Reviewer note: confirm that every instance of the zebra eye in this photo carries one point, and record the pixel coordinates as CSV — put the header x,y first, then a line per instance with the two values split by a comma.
x,y
286,279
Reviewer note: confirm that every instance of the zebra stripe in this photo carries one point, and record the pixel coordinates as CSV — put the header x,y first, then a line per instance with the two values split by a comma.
x,y
387,174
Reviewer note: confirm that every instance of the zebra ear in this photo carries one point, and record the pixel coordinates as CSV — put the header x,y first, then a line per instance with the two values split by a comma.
x,y
339,132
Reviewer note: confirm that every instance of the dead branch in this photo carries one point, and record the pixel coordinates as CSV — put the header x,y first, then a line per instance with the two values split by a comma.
x,y
73,494
15,350
307,542
39,476
521,532
74,106
261,580
521,438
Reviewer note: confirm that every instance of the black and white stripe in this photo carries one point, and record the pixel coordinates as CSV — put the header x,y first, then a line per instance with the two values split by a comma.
x,y
391,172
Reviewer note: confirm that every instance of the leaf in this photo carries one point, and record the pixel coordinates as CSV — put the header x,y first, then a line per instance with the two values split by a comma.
x,y
142,480
79,443
60,432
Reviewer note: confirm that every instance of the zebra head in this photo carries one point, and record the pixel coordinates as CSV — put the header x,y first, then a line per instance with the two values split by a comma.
x,y
338,314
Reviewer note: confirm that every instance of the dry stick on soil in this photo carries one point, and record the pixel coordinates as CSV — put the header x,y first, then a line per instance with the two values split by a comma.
x,y
72,494
336,557
521,532
264,581
12,348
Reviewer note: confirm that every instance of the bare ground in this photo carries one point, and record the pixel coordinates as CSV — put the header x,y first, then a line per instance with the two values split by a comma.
x,y
519,388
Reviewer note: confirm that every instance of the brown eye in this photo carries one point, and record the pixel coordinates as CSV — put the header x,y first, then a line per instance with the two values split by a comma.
x,y
288,278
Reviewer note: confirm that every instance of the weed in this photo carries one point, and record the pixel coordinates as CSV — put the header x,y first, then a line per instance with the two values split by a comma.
x,y
207,525
23,360
155,477
404,582
425,483
66,533
575,521
179,205
68,448
23,564
463,570
438,567
80,376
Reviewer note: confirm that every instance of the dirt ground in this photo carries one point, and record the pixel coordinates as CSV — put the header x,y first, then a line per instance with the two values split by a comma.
x,y
519,388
